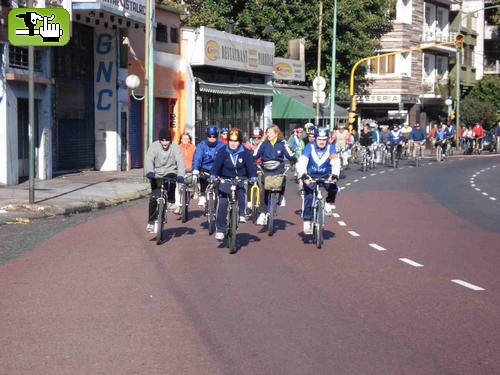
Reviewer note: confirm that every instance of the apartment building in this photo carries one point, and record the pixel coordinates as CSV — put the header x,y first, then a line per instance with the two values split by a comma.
x,y
491,57
407,88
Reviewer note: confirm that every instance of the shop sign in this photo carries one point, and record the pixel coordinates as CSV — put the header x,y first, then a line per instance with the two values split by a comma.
x,y
132,9
289,70
404,98
224,50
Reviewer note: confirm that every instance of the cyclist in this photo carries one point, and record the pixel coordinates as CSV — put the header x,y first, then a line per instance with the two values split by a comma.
x,y
223,135
318,160
341,138
450,132
375,140
405,133
273,150
478,134
468,136
440,137
366,139
396,140
232,161
296,143
497,135
309,135
203,159
163,159
255,140
417,135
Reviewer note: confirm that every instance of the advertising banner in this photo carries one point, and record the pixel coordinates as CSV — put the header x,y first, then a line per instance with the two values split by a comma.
x,y
289,70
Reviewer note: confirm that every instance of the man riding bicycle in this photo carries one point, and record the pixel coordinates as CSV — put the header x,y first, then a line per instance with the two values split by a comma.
x,y
478,134
342,139
163,159
396,140
319,160
440,137
418,136
203,159
232,161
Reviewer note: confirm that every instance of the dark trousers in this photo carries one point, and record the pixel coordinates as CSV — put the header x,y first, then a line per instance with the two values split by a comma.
x,y
204,180
155,189
224,201
331,189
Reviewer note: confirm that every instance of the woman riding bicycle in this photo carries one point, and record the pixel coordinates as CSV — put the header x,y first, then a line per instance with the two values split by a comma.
x,y
273,151
203,159
319,160
232,161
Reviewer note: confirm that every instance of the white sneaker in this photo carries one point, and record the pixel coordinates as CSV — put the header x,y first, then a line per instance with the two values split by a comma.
x,y
262,219
307,227
219,236
328,209
243,219
249,204
283,202
150,228
202,201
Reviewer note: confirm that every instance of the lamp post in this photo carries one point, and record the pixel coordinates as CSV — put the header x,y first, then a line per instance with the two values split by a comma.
x,y
332,81
448,103
133,82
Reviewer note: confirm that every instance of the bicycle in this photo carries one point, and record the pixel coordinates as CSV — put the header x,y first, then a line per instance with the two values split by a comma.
x,y
478,146
364,159
272,189
232,215
418,153
254,200
439,152
161,200
318,216
449,150
185,196
211,203
394,156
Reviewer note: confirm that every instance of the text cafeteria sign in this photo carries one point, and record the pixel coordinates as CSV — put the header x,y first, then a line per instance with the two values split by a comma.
x,y
289,70
224,50
404,98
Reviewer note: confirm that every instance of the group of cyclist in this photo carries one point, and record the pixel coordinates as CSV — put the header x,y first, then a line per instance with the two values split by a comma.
x,y
223,156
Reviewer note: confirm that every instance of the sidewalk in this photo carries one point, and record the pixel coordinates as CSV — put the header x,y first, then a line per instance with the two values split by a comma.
x,y
70,193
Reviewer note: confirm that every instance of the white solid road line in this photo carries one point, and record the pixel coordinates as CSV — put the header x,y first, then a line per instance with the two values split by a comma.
x,y
377,247
342,224
353,233
336,215
467,285
411,262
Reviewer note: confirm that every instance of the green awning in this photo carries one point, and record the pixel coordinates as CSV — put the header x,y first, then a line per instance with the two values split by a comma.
x,y
286,107
255,89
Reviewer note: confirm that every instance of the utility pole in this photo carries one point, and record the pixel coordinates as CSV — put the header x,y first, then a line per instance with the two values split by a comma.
x,y
459,68
334,64
31,117
318,73
146,86
151,67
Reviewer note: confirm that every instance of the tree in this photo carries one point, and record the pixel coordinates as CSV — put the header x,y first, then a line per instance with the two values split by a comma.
x,y
360,25
473,110
487,90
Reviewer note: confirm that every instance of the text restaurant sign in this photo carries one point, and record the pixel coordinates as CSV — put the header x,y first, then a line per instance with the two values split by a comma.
x,y
224,50
132,9
289,70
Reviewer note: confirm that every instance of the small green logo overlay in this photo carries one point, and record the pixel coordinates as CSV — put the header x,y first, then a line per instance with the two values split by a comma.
x,y
39,27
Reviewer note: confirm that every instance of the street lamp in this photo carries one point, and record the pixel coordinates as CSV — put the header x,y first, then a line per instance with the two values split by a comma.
x,y
448,103
133,82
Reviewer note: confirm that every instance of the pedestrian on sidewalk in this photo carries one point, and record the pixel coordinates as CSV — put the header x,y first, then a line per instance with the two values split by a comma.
x,y
163,159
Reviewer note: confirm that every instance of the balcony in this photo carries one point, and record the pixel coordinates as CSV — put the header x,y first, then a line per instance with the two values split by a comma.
x,y
492,68
437,35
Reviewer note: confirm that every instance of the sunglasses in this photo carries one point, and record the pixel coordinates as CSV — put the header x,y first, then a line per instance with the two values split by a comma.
x,y
211,136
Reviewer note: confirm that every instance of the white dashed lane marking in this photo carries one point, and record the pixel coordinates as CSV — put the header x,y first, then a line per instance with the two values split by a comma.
x,y
353,233
477,189
373,174
467,285
336,215
342,188
493,199
364,177
382,172
485,193
342,224
355,180
377,247
347,184
411,262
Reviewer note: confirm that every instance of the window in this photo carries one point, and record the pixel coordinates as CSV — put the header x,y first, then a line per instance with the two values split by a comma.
x,y
442,65
161,33
404,11
123,49
18,58
382,65
174,35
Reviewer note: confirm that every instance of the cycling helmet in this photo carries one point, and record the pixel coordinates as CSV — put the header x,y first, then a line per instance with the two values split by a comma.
x,y
299,129
373,125
310,130
224,130
322,133
211,130
257,133
234,135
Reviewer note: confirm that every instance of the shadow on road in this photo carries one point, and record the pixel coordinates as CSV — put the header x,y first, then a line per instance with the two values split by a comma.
x,y
242,240
175,232
327,235
278,225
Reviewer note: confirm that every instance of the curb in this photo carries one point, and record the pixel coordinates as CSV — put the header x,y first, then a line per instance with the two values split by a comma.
x,y
27,215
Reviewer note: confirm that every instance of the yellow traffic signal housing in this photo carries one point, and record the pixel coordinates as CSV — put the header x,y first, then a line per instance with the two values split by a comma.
x,y
452,114
459,42
351,117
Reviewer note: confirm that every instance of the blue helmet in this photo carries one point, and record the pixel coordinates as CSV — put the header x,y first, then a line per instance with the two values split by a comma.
x,y
212,130
322,133
224,130
311,130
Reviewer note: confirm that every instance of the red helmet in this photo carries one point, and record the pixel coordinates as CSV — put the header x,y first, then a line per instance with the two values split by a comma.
x,y
257,133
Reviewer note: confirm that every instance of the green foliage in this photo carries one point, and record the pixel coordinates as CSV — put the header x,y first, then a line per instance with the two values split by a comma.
x,y
360,24
487,90
473,110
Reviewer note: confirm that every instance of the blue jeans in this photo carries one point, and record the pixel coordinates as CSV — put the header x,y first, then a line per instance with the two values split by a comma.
x,y
224,192
331,189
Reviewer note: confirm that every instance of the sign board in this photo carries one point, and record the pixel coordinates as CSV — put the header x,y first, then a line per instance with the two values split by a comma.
x,y
289,70
397,114
403,98
229,51
131,9
319,83
319,96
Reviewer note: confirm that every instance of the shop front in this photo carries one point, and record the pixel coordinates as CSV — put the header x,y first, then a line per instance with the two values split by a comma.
x,y
391,108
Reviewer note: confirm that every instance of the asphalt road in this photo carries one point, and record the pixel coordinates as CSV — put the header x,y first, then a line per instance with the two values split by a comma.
x,y
98,296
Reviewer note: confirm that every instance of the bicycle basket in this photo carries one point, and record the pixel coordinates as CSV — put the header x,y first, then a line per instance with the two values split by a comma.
x,y
273,182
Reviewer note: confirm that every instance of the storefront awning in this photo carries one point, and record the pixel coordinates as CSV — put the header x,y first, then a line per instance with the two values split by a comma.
x,y
256,89
295,102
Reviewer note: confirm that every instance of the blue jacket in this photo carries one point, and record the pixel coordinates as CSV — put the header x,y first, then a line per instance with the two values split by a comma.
x,y
418,134
396,136
229,164
278,153
385,137
319,162
440,135
204,155
450,131
375,136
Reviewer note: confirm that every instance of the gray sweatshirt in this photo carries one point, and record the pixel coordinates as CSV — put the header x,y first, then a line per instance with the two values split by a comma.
x,y
163,162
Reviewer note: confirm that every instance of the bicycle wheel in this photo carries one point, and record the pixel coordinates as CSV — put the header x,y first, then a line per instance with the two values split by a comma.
x,y
161,215
364,163
272,212
394,159
231,238
439,154
184,203
318,238
211,212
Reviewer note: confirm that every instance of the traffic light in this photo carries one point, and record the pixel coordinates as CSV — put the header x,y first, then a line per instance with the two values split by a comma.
x,y
452,114
351,117
459,42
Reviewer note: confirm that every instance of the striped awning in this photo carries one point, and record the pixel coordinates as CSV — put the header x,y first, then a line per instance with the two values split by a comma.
x,y
255,89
